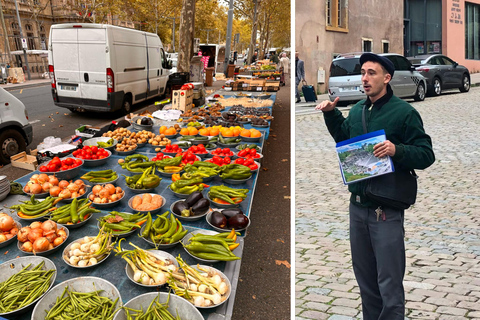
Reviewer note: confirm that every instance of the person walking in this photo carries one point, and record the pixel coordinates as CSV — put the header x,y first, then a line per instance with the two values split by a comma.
x,y
285,65
299,75
377,229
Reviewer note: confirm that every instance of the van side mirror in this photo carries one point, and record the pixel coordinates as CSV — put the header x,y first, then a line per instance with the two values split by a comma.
x,y
455,64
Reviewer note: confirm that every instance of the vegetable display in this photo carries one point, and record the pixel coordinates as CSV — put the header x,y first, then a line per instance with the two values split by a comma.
x,y
250,163
147,180
249,153
225,152
105,144
219,161
148,269
155,310
226,195
106,194
75,212
223,140
103,176
81,305
213,247
40,183
68,190
172,148
119,223
233,218
194,205
166,229
187,186
41,236
146,202
8,227
89,251
33,208
24,287
202,169
56,164
91,153
235,172
250,146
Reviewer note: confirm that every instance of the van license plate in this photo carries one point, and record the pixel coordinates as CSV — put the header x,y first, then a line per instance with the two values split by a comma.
x,y
69,88
349,89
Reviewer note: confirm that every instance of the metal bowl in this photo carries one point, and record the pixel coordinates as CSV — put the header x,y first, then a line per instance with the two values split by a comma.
x,y
159,254
68,174
126,153
160,245
38,195
97,162
257,160
221,205
80,284
260,126
33,219
228,145
67,248
189,235
191,218
76,225
48,252
250,139
211,155
12,239
11,267
176,305
263,96
152,212
209,221
149,190
141,127
94,142
236,181
212,146
168,174
107,205
199,267
119,235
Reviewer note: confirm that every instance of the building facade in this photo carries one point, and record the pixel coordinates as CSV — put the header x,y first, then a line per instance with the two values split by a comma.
x,y
324,29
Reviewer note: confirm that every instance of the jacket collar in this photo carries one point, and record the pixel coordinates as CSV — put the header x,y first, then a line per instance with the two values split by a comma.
x,y
383,100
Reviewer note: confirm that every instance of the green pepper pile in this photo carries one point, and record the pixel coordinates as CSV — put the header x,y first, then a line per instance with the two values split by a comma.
x,y
223,140
136,163
202,169
74,212
103,176
187,184
226,195
212,247
235,172
170,165
119,222
147,180
34,209
164,230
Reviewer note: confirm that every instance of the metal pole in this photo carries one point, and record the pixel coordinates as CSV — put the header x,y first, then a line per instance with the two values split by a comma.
x,y
7,44
156,18
229,37
21,36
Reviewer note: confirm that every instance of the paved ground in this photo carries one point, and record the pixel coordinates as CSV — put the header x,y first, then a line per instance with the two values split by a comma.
x,y
442,230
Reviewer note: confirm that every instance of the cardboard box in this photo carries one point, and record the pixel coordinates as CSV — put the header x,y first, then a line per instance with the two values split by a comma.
x,y
24,161
87,131
182,100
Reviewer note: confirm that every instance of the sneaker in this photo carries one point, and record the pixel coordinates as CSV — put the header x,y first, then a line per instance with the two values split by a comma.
x,y
298,100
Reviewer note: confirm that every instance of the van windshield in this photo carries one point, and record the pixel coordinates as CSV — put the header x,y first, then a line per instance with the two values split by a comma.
x,y
345,67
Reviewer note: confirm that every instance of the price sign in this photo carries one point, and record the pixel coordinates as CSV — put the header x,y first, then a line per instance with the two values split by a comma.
x,y
259,88
244,85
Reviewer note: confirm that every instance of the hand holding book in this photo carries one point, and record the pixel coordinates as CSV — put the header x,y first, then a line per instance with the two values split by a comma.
x,y
382,149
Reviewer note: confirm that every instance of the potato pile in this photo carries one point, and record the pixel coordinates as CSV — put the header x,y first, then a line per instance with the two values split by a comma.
x,y
125,145
118,134
159,140
143,136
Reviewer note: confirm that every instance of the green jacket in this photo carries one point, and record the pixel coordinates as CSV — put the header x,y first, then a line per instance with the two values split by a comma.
x,y
403,127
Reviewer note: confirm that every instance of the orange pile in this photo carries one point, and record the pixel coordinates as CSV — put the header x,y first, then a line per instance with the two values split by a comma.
x,y
250,133
167,131
189,131
209,131
230,132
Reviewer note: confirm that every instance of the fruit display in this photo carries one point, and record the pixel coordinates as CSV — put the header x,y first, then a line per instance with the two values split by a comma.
x,y
251,133
198,149
40,183
172,148
249,153
41,236
8,227
166,229
194,205
91,153
232,131
89,251
169,131
226,195
189,131
56,165
219,161
210,287
193,123
232,218
225,152
147,180
106,194
120,223
235,171
72,213
67,190
210,131
102,176
159,140
218,246
147,202
32,209
248,162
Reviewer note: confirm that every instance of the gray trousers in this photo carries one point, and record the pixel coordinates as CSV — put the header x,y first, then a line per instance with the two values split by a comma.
x,y
378,256
297,82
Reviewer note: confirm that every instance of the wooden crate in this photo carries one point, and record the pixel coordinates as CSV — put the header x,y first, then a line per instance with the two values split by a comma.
x,y
272,84
257,82
24,161
182,99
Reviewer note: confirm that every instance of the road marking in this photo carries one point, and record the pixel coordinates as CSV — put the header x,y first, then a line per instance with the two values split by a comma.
x,y
34,121
21,91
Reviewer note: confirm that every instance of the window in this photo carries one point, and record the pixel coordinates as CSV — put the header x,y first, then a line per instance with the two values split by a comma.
x,y
367,45
472,31
447,61
14,26
385,46
337,15
28,27
18,41
30,41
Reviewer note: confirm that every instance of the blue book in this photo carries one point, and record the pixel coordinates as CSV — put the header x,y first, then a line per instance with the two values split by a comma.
x,y
356,158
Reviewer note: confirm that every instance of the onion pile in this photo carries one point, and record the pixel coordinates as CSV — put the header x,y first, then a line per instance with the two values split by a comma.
x,y
40,183
67,190
41,236
8,227
106,194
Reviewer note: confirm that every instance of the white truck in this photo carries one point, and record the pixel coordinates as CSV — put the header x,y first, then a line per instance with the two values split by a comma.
x,y
98,67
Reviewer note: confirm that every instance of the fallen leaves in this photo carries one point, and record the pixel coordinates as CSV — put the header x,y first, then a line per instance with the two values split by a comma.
x,y
254,297
284,160
265,169
280,240
6,252
284,262
286,197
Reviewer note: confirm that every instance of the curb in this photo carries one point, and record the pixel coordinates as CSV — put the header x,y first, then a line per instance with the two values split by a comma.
x,y
25,85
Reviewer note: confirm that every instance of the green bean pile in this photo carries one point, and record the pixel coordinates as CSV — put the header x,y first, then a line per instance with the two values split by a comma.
x,y
155,311
24,287
80,305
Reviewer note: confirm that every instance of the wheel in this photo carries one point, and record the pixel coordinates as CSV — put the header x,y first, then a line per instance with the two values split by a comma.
x,y
465,83
11,143
420,94
127,105
437,87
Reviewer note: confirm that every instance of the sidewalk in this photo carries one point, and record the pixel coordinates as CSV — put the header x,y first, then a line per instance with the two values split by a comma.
x,y
26,84
474,80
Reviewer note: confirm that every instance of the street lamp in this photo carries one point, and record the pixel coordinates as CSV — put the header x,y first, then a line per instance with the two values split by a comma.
x,y
208,31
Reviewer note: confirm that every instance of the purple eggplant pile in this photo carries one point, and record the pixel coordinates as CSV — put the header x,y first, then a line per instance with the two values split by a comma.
x,y
194,205
229,218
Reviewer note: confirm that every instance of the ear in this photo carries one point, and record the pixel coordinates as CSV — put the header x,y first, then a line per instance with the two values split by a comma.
x,y
387,78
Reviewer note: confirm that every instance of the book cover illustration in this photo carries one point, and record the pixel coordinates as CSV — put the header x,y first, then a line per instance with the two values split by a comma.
x,y
356,158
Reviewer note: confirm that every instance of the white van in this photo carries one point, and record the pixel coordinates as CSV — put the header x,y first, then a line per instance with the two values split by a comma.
x,y
99,67
16,132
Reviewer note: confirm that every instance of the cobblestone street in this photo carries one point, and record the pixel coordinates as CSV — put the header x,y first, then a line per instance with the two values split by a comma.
x,y
442,230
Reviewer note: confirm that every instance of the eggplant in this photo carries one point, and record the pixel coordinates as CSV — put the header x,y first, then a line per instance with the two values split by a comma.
x,y
228,213
193,198
180,208
218,219
238,221
200,207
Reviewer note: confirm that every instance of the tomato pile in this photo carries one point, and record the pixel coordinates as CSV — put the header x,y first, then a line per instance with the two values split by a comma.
x,y
90,153
172,148
56,165
249,162
199,149
159,156
220,161
187,157
225,152
248,153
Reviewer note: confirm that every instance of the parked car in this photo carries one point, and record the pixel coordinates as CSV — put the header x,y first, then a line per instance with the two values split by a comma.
x,y
240,56
441,73
16,132
174,62
346,80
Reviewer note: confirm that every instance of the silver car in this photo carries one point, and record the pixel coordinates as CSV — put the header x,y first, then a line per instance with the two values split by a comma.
x,y
346,80
441,73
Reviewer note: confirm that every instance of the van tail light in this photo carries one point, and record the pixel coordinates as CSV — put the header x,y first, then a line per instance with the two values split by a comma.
x,y
51,73
420,69
110,81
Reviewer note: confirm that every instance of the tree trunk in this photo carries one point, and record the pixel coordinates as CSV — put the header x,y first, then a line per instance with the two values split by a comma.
x,y
186,33
253,40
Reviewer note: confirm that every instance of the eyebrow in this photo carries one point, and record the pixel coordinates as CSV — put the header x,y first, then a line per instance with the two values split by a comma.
x,y
367,70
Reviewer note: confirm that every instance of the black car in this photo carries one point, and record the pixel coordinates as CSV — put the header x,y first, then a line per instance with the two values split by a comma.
x,y
441,73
